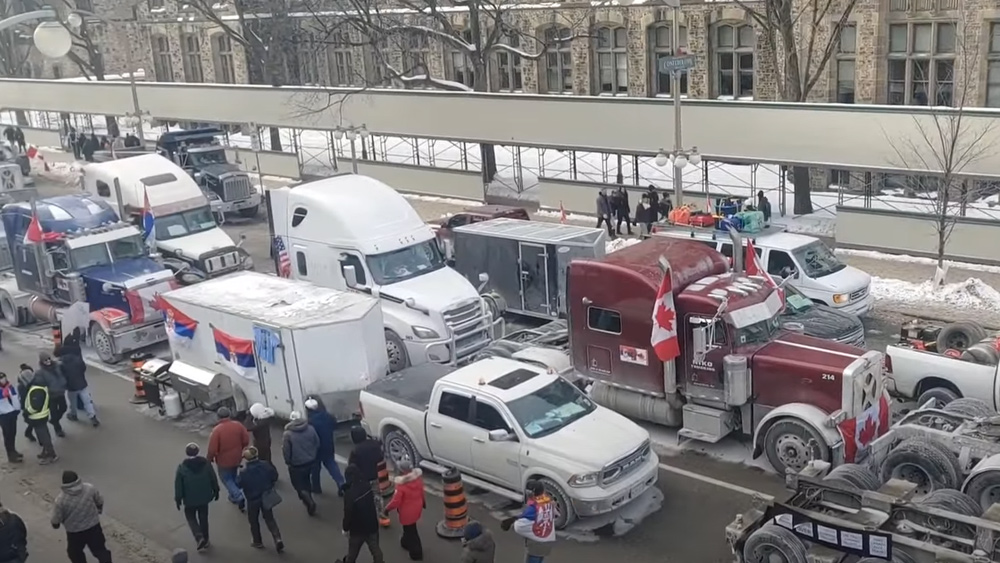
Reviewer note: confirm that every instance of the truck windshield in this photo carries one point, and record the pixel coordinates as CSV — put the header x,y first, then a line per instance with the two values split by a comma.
x,y
551,408
817,260
184,223
207,157
758,333
107,253
405,263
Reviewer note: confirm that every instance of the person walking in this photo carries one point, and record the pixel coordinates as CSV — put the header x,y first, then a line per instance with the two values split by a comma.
x,y
536,524
622,211
604,212
10,409
361,516
409,502
24,379
225,449
37,413
51,372
13,537
764,206
259,426
478,545
300,448
78,509
644,215
195,487
74,370
366,455
257,480
325,425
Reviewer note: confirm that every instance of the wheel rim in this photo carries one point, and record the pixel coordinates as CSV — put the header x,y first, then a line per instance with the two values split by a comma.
x,y
102,344
793,451
990,496
958,342
560,510
395,354
769,554
7,310
399,451
916,475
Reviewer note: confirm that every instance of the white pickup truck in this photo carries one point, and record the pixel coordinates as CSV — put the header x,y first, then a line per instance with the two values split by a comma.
x,y
924,376
503,423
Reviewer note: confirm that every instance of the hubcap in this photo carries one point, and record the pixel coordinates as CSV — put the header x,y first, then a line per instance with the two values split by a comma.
x,y
916,475
793,451
102,344
991,495
395,356
958,342
399,451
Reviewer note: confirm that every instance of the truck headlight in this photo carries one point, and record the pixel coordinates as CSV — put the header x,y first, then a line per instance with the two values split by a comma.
x,y
840,298
584,480
119,322
424,333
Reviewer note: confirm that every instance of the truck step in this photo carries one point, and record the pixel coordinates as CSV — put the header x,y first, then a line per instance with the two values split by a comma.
x,y
706,424
470,480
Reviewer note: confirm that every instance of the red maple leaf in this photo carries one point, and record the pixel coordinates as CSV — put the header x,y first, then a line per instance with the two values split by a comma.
x,y
868,431
665,318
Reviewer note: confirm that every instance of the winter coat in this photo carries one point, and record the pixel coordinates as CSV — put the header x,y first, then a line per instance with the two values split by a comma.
x,y
10,401
408,498
73,367
257,478
260,430
643,214
360,514
481,549
226,444
299,443
13,537
324,424
622,203
764,206
53,378
195,483
366,455
603,206
78,507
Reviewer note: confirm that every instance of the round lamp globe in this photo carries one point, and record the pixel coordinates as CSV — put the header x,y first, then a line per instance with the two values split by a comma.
x,y
52,40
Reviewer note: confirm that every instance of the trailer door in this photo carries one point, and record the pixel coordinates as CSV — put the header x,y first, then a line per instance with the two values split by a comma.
x,y
534,264
272,368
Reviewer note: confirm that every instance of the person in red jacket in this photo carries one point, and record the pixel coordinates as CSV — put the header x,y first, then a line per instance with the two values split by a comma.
x,y
225,450
409,502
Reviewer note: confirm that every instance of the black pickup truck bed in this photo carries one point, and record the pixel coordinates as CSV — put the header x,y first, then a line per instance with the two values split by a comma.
x,y
412,386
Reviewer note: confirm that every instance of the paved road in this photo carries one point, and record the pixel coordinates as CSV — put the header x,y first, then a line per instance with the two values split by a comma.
x,y
132,456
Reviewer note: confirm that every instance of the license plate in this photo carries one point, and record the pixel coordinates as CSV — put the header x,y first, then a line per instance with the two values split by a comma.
x,y
637,490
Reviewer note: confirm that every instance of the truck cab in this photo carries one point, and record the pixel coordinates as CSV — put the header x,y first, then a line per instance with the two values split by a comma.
x,y
86,268
738,370
354,232
187,236
200,154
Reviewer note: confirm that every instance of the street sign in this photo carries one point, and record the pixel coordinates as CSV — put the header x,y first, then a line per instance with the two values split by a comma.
x,y
682,63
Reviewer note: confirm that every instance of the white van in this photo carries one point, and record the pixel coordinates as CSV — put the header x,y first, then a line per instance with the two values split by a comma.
x,y
814,269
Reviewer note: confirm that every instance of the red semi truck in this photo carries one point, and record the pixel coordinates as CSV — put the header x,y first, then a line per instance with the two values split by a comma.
x,y
739,371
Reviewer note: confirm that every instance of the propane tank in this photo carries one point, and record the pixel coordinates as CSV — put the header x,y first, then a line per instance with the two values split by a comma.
x,y
43,310
172,405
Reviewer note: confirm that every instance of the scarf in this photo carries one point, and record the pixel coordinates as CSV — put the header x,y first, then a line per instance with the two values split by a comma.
x,y
8,391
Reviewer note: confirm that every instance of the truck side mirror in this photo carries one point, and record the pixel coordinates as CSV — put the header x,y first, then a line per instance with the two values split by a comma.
x,y
350,277
699,339
501,435
107,287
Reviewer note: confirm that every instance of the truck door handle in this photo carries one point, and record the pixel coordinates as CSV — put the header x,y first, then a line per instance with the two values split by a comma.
x,y
480,440
435,425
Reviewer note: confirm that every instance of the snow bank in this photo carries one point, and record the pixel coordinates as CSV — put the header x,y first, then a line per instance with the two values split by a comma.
x,y
619,243
62,172
871,254
444,200
973,293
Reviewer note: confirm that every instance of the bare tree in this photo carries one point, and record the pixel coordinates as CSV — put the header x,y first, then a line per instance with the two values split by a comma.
x,y
946,142
15,51
799,38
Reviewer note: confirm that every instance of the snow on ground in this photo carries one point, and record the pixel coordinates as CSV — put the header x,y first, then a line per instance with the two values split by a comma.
x,y
619,243
444,200
917,260
973,294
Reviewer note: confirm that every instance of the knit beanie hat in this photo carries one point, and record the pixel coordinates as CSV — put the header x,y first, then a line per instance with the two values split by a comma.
x,y
250,453
224,412
472,530
311,404
179,556
295,415
191,450
69,477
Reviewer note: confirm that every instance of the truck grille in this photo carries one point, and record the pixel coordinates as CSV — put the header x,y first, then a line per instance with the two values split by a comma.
x,y
626,465
223,263
467,322
235,188
859,294
856,338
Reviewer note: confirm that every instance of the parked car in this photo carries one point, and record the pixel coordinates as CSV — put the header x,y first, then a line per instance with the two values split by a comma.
x,y
821,321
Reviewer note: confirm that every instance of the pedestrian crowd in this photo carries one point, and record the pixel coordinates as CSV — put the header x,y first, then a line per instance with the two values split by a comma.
x,y
615,206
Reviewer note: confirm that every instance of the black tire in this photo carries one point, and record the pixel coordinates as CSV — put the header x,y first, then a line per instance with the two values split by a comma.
x,y
985,354
952,501
399,446
959,336
396,352
249,212
565,515
972,408
985,489
923,463
772,543
787,445
8,310
941,396
854,476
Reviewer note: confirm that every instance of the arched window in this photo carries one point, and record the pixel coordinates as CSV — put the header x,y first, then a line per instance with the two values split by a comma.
x,y
508,64
611,50
340,61
459,65
734,60
558,60
307,58
222,50
163,68
191,49
661,44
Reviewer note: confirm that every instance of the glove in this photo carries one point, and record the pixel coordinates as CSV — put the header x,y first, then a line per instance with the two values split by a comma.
x,y
507,523
178,506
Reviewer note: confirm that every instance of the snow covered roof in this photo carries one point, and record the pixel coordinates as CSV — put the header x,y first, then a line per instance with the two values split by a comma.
x,y
275,301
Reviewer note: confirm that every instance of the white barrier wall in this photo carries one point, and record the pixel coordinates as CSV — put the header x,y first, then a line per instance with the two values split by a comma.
x,y
283,164
441,182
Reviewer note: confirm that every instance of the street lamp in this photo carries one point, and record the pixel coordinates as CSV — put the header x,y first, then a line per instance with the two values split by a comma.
x,y
679,158
352,132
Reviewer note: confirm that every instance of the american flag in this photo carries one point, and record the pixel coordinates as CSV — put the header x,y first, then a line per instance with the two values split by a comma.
x,y
284,262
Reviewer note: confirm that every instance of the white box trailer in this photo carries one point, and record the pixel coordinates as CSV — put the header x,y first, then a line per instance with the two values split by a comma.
x,y
325,342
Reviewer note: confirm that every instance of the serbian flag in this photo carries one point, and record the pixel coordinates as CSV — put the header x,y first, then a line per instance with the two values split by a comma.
x,y
180,327
858,433
754,269
237,352
36,234
664,336
148,222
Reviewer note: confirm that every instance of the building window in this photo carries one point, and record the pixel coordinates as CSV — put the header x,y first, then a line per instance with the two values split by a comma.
x,y
340,61
662,44
225,71
307,59
191,49
922,64
993,67
155,4
558,60
416,47
847,50
509,65
374,71
734,45
459,66
163,68
611,50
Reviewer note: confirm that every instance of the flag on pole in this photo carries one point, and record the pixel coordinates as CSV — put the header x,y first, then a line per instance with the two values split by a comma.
x,y
282,258
562,213
36,234
858,433
664,336
148,221
236,352
754,269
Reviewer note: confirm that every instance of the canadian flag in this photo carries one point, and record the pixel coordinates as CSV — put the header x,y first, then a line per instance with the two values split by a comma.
x,y
754,269
35,234
664,336
858,433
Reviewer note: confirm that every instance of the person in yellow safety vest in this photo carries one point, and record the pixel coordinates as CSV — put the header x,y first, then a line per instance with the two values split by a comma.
x,y
36,407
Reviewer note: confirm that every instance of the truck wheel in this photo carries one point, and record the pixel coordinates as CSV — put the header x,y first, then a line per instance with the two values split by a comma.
x,y
960,336
952,501
791,444
249,212
854,476
400,447
982,354
565,515
985,489
941,396
103,345
396,350
774,544
898,556
923,463
9,310
972,408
